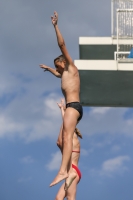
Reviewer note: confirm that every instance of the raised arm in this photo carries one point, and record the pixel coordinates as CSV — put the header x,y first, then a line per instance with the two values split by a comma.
x,y
62,108
60,40
59,140
53,71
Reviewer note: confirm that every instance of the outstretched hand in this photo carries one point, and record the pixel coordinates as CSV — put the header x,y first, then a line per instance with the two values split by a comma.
x,y
54,18
61,104
44,67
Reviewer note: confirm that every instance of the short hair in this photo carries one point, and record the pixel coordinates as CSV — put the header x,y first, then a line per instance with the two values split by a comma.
x,y
59,58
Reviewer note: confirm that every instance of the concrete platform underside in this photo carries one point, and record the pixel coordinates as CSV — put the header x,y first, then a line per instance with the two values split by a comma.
x,y
106,83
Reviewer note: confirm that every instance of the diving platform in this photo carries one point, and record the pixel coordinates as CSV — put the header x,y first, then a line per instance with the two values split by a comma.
x,y
106,63
105,79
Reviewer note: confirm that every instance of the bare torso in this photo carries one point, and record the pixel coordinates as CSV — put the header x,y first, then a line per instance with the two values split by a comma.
x,y
76,147
70,84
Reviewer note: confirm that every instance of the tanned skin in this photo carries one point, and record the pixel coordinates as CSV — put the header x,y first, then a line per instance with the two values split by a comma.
x,y
69,188
70,85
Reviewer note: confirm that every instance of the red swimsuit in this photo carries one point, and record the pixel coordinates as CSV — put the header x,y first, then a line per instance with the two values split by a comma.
x,y
76,168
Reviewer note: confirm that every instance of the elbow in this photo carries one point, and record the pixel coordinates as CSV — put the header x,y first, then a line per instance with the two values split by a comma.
x,y
61,44
58,76
59,144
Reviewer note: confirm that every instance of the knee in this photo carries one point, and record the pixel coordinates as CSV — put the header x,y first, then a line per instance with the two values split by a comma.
x,y
59,143
57,197
70,198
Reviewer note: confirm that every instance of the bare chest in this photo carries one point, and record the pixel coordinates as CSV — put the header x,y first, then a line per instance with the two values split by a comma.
x,y
70,81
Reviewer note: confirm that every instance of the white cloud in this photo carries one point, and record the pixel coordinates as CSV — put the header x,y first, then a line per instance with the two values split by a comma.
x,y
109,168
50,103
106,121
8,127
27,160
114,165
55,162
100,110
30,120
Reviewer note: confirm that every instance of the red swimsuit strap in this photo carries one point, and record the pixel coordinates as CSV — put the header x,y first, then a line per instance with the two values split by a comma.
x,y
76,151
77,170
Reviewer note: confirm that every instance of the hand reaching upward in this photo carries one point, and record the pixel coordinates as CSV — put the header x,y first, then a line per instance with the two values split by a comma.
x,y
62,107
61,104
54,18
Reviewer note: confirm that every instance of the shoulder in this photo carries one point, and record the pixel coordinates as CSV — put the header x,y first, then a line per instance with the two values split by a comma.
x,y
72,68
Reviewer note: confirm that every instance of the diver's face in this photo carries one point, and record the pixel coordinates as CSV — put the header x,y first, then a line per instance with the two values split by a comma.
x,y
59,65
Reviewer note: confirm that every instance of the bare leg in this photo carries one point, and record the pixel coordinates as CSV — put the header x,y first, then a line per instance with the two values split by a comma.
x,y
61,193
71,192
69,124
70,179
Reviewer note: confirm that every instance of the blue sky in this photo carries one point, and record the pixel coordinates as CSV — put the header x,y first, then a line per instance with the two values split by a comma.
x,y
30,119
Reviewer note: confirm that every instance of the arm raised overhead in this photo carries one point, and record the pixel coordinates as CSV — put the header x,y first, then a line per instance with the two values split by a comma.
x,y
62,108
60,40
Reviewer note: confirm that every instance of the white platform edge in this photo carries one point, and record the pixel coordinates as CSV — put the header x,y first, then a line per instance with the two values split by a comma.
x,y
103,41
107,65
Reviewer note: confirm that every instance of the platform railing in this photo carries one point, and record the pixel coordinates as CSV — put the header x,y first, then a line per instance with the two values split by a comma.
x,y
124,31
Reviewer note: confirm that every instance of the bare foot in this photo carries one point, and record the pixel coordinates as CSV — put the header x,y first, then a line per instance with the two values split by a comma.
x,y
58,178
70,179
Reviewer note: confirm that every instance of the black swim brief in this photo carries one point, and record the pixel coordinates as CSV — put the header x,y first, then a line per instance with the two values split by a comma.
x,y
77,106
